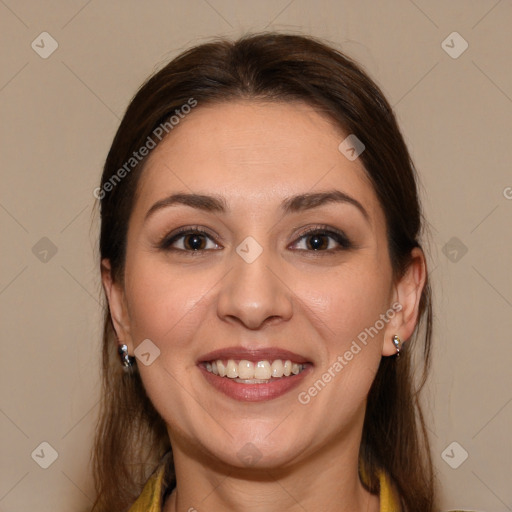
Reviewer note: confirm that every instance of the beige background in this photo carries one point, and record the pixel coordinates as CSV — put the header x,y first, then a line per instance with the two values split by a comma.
x,y
59,115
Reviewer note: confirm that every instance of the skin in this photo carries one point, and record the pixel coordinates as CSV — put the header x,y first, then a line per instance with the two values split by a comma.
x,y
314,303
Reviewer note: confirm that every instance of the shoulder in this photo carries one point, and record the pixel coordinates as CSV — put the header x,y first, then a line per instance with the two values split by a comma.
x,y
150,499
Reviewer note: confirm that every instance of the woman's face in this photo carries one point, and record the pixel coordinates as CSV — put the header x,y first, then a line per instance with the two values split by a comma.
x,y
253,286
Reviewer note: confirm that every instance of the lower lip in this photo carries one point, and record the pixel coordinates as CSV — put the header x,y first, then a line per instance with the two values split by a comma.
x,y
255,392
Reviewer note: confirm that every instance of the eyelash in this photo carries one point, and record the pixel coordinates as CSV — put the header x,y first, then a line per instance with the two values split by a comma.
x,y
166,243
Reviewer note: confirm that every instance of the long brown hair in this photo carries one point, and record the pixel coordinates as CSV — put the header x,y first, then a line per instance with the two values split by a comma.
x,y
131,436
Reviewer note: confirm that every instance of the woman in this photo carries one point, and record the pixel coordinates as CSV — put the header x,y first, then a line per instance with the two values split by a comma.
x,y
266,286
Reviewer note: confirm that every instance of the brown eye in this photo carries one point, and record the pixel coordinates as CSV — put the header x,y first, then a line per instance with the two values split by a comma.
x,y
194,242
188,240
323,240
317,242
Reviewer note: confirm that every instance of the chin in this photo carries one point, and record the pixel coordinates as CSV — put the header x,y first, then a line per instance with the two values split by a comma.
x,y
263,451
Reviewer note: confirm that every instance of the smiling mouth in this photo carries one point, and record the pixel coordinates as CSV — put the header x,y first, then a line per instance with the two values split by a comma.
x,y
248,372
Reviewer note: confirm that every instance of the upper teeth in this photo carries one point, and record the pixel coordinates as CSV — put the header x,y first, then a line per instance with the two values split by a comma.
x,y
247,370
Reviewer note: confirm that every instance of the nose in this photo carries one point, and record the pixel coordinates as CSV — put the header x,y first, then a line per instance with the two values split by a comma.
x,y
255,293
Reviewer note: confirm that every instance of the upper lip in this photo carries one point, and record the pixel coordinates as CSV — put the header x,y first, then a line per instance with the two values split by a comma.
x,y
253,354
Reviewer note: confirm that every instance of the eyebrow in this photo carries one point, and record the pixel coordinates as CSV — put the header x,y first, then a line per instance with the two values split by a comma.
x,y
297,203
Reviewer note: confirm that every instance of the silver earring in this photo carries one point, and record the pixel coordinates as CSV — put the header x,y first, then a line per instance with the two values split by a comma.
x,y
126,360
398,344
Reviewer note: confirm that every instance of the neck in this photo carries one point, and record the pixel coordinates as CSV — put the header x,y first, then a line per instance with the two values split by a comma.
x,y
328,481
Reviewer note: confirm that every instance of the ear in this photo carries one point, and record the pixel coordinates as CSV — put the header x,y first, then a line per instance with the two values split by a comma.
x,y
117,305
406,296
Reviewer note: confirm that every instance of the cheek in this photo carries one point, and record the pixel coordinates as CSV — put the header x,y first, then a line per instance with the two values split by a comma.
x,y
164,307
346,302
162,301
346,311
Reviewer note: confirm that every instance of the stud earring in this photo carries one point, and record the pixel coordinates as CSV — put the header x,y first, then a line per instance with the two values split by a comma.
x,y
398,344
126,360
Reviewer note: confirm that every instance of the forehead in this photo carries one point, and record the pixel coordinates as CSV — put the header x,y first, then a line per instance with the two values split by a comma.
x,y
254,153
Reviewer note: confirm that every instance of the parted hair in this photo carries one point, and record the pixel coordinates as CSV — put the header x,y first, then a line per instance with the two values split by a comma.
x,y
131,437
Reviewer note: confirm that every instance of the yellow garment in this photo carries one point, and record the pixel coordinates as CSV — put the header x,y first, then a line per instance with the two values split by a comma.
x,y
150,498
